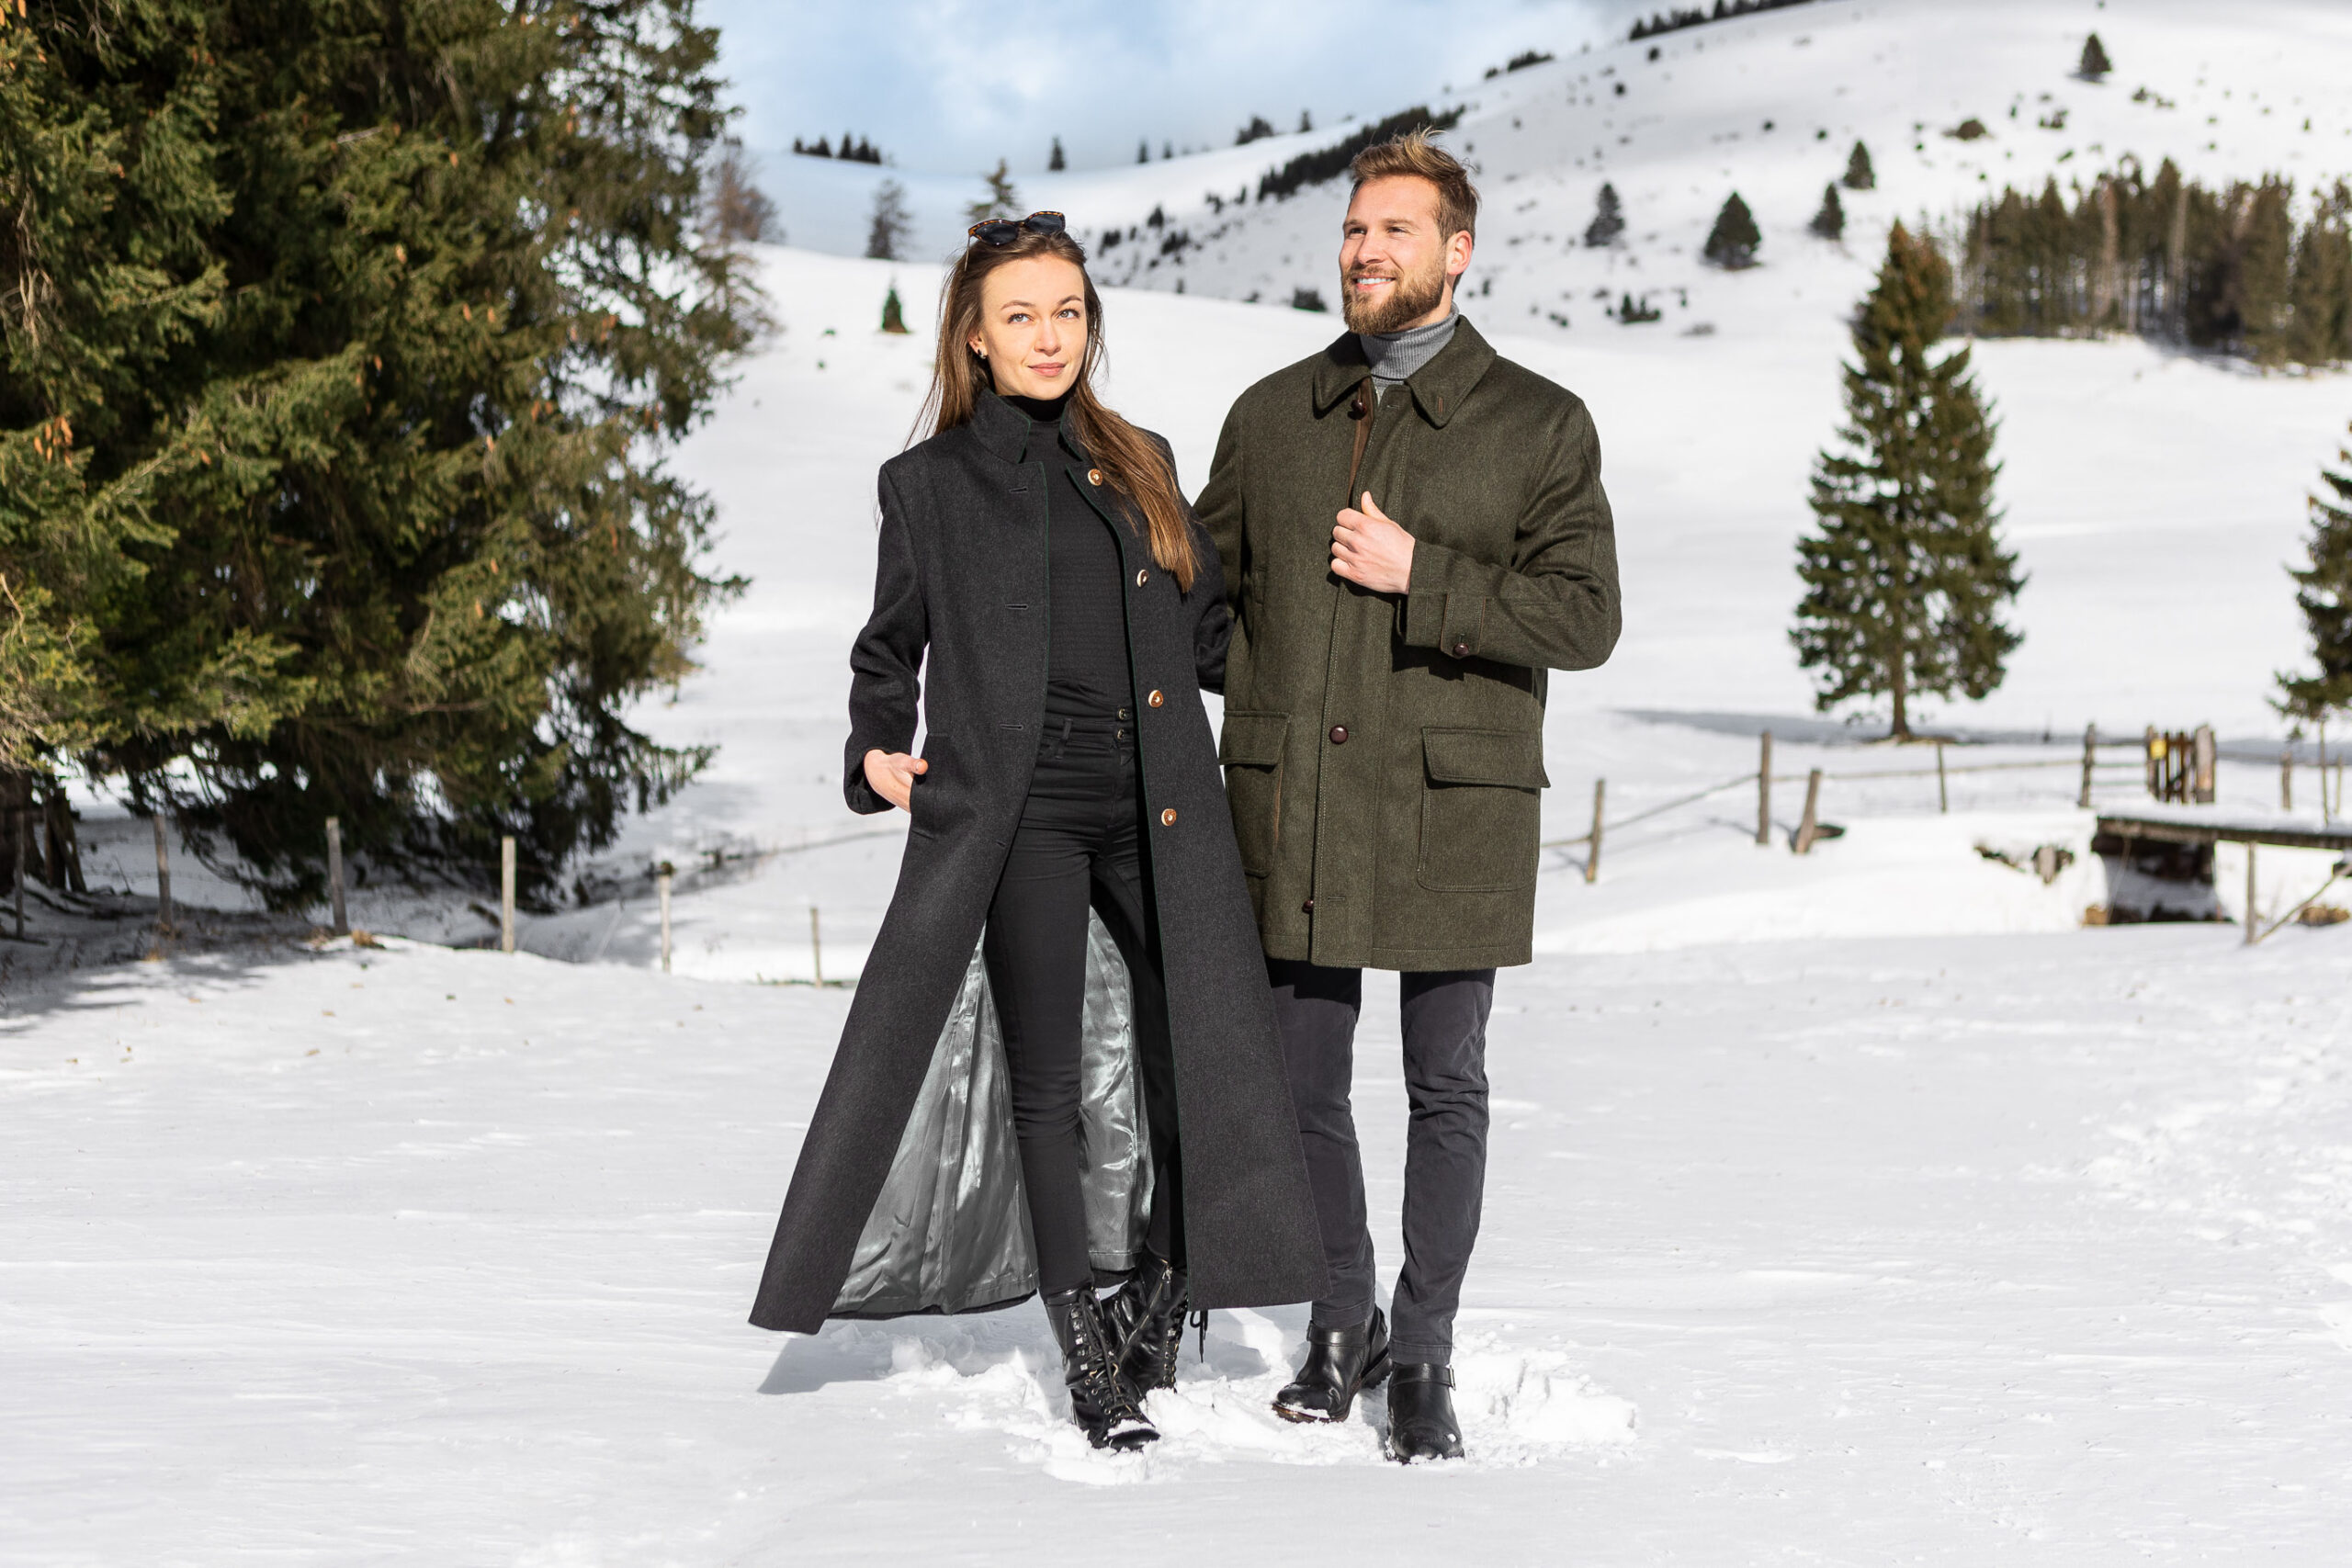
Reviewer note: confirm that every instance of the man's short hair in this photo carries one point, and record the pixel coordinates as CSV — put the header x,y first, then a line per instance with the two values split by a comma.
x,y
1415,153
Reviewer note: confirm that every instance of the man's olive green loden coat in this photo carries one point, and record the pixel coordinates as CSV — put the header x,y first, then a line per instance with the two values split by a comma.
x,y
1384,752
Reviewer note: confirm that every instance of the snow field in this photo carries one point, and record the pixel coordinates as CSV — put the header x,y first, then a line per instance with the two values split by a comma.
x,y
1951,1250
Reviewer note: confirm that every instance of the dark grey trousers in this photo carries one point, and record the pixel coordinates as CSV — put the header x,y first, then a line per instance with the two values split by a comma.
x,y
1445,1019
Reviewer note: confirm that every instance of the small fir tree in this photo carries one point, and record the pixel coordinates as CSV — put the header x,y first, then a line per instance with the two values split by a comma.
x,y
1002,200
1858,174
1829,223
1305,122
894,315
2323,591
887,229
2094,65
1608,219
1905,578
1731,244
1055,162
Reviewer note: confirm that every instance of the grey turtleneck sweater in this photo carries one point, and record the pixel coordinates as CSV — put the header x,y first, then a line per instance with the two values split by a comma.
x,y
1394,356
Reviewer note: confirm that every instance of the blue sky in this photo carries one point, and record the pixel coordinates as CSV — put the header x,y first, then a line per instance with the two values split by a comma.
x,y
954,85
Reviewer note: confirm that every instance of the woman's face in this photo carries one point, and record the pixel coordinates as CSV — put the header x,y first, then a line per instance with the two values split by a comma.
x,y
1032,326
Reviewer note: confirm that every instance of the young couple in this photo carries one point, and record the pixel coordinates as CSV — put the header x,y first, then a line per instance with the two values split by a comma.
x,y
1105,1033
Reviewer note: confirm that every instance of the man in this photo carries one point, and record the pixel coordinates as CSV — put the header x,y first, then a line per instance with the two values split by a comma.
x,y
1413,533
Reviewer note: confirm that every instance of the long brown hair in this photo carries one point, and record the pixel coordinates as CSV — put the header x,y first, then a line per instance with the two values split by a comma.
x,y
1131,465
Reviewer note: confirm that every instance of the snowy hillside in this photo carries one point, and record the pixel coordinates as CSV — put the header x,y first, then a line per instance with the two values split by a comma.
x,y
1769,106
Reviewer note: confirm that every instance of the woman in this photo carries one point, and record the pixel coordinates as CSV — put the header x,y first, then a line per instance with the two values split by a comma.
x,y
1060,1066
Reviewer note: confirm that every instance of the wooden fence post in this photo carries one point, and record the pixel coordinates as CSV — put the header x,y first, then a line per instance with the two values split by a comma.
x,y
20,821
1943,790
2286,778
2090,760
2201,787
2324,815
334,875
1810,822
1764,793
507,893
661,888
162,880
816,948
2155,765
2253,922
1593,861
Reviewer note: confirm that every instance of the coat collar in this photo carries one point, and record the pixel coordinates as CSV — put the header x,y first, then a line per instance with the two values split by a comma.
x,y
1008,433
1440,388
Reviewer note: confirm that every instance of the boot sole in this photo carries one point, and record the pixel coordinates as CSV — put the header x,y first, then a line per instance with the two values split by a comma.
x,y
1373,1376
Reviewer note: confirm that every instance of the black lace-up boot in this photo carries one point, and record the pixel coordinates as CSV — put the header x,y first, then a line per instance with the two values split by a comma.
x,y
1146,1322
1341,1363
1420,1415
1099,1401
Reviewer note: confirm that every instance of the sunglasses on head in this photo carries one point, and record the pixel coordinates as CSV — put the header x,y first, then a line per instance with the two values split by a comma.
x,y
1002,232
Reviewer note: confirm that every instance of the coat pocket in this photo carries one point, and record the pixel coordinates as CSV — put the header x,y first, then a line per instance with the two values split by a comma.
x,y
1252,750
1481,809
942,801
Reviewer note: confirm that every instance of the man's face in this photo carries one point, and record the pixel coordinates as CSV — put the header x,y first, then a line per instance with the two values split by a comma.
x,y
1395,271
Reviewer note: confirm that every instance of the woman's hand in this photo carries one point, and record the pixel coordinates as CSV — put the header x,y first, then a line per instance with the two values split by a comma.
x,y
892,775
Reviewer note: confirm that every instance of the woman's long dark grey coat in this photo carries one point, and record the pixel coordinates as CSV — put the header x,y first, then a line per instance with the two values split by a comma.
x,y
963,573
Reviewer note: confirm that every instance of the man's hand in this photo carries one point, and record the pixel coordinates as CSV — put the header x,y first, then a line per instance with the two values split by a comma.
x,y
892,776
1372,551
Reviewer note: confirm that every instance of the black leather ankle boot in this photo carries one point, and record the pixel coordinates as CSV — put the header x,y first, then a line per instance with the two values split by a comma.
x,y
1144,1318
1420,1414
1100,1402
1341,1363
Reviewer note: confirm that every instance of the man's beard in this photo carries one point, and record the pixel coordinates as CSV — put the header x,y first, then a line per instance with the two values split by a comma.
x,y
1408,300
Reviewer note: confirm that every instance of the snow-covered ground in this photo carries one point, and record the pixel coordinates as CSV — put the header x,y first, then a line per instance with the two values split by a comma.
x,y
1856,1208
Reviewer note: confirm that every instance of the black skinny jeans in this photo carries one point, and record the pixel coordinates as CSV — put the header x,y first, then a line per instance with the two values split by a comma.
x,y
1078,846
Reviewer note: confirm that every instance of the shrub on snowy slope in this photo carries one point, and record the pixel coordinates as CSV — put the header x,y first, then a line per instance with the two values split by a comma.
x,y
1731,244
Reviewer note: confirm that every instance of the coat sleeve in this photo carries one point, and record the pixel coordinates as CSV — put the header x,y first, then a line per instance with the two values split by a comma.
x,y
1221,512
1555,606
886,661
1212,617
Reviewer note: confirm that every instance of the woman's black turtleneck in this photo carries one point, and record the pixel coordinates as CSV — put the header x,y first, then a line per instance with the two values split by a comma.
x,y
1086,660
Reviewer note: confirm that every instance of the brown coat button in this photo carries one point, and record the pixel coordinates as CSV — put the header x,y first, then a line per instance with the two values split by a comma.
x,y
1155,699
1308,908
1338,734
1167,818
1460,650
1142,573
1094,476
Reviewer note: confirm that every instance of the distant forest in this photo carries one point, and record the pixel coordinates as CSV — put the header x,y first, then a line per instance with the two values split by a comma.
x,y
1681,17
2233,270
860,151
1329,162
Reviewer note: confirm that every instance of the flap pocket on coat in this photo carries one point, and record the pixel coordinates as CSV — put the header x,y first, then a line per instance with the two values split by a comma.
x,y
1485,757
1252,750
1253,740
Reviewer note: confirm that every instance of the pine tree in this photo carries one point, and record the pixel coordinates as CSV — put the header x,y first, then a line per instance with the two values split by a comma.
x,y
2324,590
2320,320
1607,220
1858,173
1305,122
435,296
894,315
887,229
1732,242
1143,151
1905,578
1829,223
1055,162
1002,201
2094,65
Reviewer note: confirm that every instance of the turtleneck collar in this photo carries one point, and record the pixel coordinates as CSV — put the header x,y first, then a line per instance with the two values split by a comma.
x,y
1395,355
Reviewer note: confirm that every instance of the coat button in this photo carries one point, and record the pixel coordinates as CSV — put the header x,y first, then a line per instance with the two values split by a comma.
x,y
1143,574
1338,734
1155,699
1094,476
1308,908
1167,818
1460,650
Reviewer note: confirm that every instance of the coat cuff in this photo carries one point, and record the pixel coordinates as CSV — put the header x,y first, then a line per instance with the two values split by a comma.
x,y
861,795
1445,609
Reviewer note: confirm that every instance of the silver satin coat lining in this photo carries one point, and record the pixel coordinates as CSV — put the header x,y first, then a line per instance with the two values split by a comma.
x,y
951,1230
